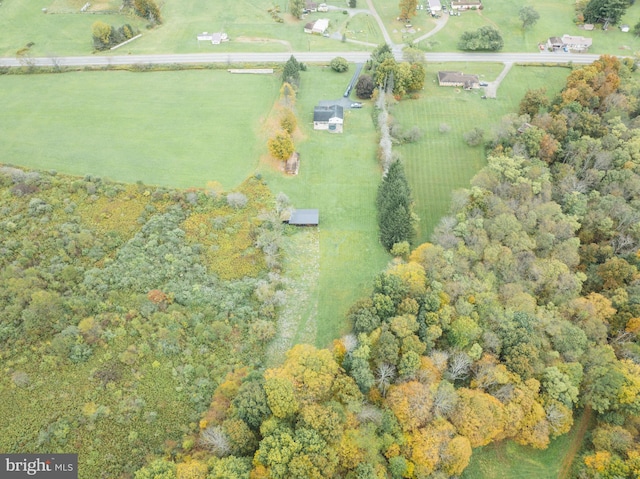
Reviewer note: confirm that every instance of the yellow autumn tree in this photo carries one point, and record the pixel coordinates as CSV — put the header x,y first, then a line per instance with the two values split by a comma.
x,y
478,416
411,403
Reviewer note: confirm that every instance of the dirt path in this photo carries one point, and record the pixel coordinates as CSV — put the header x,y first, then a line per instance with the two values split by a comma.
x,y
576,443
492,89
440,24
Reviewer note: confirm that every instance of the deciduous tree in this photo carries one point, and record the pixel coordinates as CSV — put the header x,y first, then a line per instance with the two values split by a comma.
x,y
528,16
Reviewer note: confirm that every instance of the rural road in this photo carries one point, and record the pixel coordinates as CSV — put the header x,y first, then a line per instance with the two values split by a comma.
x,y
309,57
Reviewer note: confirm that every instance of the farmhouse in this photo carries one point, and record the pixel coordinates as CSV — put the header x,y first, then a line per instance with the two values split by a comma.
x,y
319,26
458,79
214,38
466,4
328,118
576,44
304,218
435,5
569,43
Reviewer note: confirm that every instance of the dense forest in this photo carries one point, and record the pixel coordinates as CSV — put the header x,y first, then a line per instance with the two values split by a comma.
x,y
523,310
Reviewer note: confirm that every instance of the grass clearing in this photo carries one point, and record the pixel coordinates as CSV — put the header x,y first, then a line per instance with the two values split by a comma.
x,y
442,162
422,23
364,28
177,129
556,19
339,174
508,460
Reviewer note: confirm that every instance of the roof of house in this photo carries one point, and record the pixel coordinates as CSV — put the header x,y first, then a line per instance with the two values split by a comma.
x,y
309,26
555,40
325,113
304,217
571,40
466,2
321,25
456,77
435,4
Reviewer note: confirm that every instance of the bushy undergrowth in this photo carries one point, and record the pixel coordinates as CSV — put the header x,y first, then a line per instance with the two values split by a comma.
x,y
123,309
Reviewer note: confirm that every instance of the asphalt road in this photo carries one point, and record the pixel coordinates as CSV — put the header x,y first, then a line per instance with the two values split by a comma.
x,y
309,57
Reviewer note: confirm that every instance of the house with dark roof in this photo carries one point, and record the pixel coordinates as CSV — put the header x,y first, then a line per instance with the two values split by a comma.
x,y
328,118
304,218
459,79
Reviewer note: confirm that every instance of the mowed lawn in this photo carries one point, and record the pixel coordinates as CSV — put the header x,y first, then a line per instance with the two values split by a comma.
x,y
556,19
508,460
179,129
441,162
389,10
247,22
339,175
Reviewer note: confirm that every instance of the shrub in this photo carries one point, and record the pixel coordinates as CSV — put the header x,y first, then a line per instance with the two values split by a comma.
x,y
365,87
339,64
237,200
474,137
484,38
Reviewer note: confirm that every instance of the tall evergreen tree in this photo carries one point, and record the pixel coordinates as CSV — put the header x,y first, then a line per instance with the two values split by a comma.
x,y
394,204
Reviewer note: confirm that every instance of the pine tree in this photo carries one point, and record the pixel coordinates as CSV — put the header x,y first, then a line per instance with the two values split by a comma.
x,y
394,205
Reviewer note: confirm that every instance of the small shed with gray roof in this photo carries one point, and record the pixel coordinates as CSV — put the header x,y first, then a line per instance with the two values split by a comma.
x,y
304,218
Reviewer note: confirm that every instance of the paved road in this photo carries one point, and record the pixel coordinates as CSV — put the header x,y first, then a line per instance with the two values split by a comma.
x,y
309,57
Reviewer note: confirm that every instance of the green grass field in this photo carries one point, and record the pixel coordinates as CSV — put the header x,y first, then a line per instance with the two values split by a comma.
x,y
556,19
508,460
181,128
364,28
247,22
339,175
422,23
442,162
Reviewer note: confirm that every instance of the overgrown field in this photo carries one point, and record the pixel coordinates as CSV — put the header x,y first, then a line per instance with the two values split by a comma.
x,y
339,175
178,129
556,19
441,162
122,311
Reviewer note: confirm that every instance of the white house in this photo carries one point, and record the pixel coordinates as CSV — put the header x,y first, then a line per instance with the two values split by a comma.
x,y
319,26
435,5
328,118
214,38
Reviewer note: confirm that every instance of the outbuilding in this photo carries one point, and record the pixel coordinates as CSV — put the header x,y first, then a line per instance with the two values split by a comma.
x,y
309,217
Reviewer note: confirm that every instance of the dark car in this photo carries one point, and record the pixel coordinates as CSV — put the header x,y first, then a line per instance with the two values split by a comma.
x,y
484,83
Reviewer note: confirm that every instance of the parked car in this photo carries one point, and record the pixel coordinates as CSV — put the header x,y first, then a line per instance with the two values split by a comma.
x,y
356,105
484,83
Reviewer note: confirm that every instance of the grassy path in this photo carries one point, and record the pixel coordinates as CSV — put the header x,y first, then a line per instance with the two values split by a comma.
x,y
576,443
297,318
